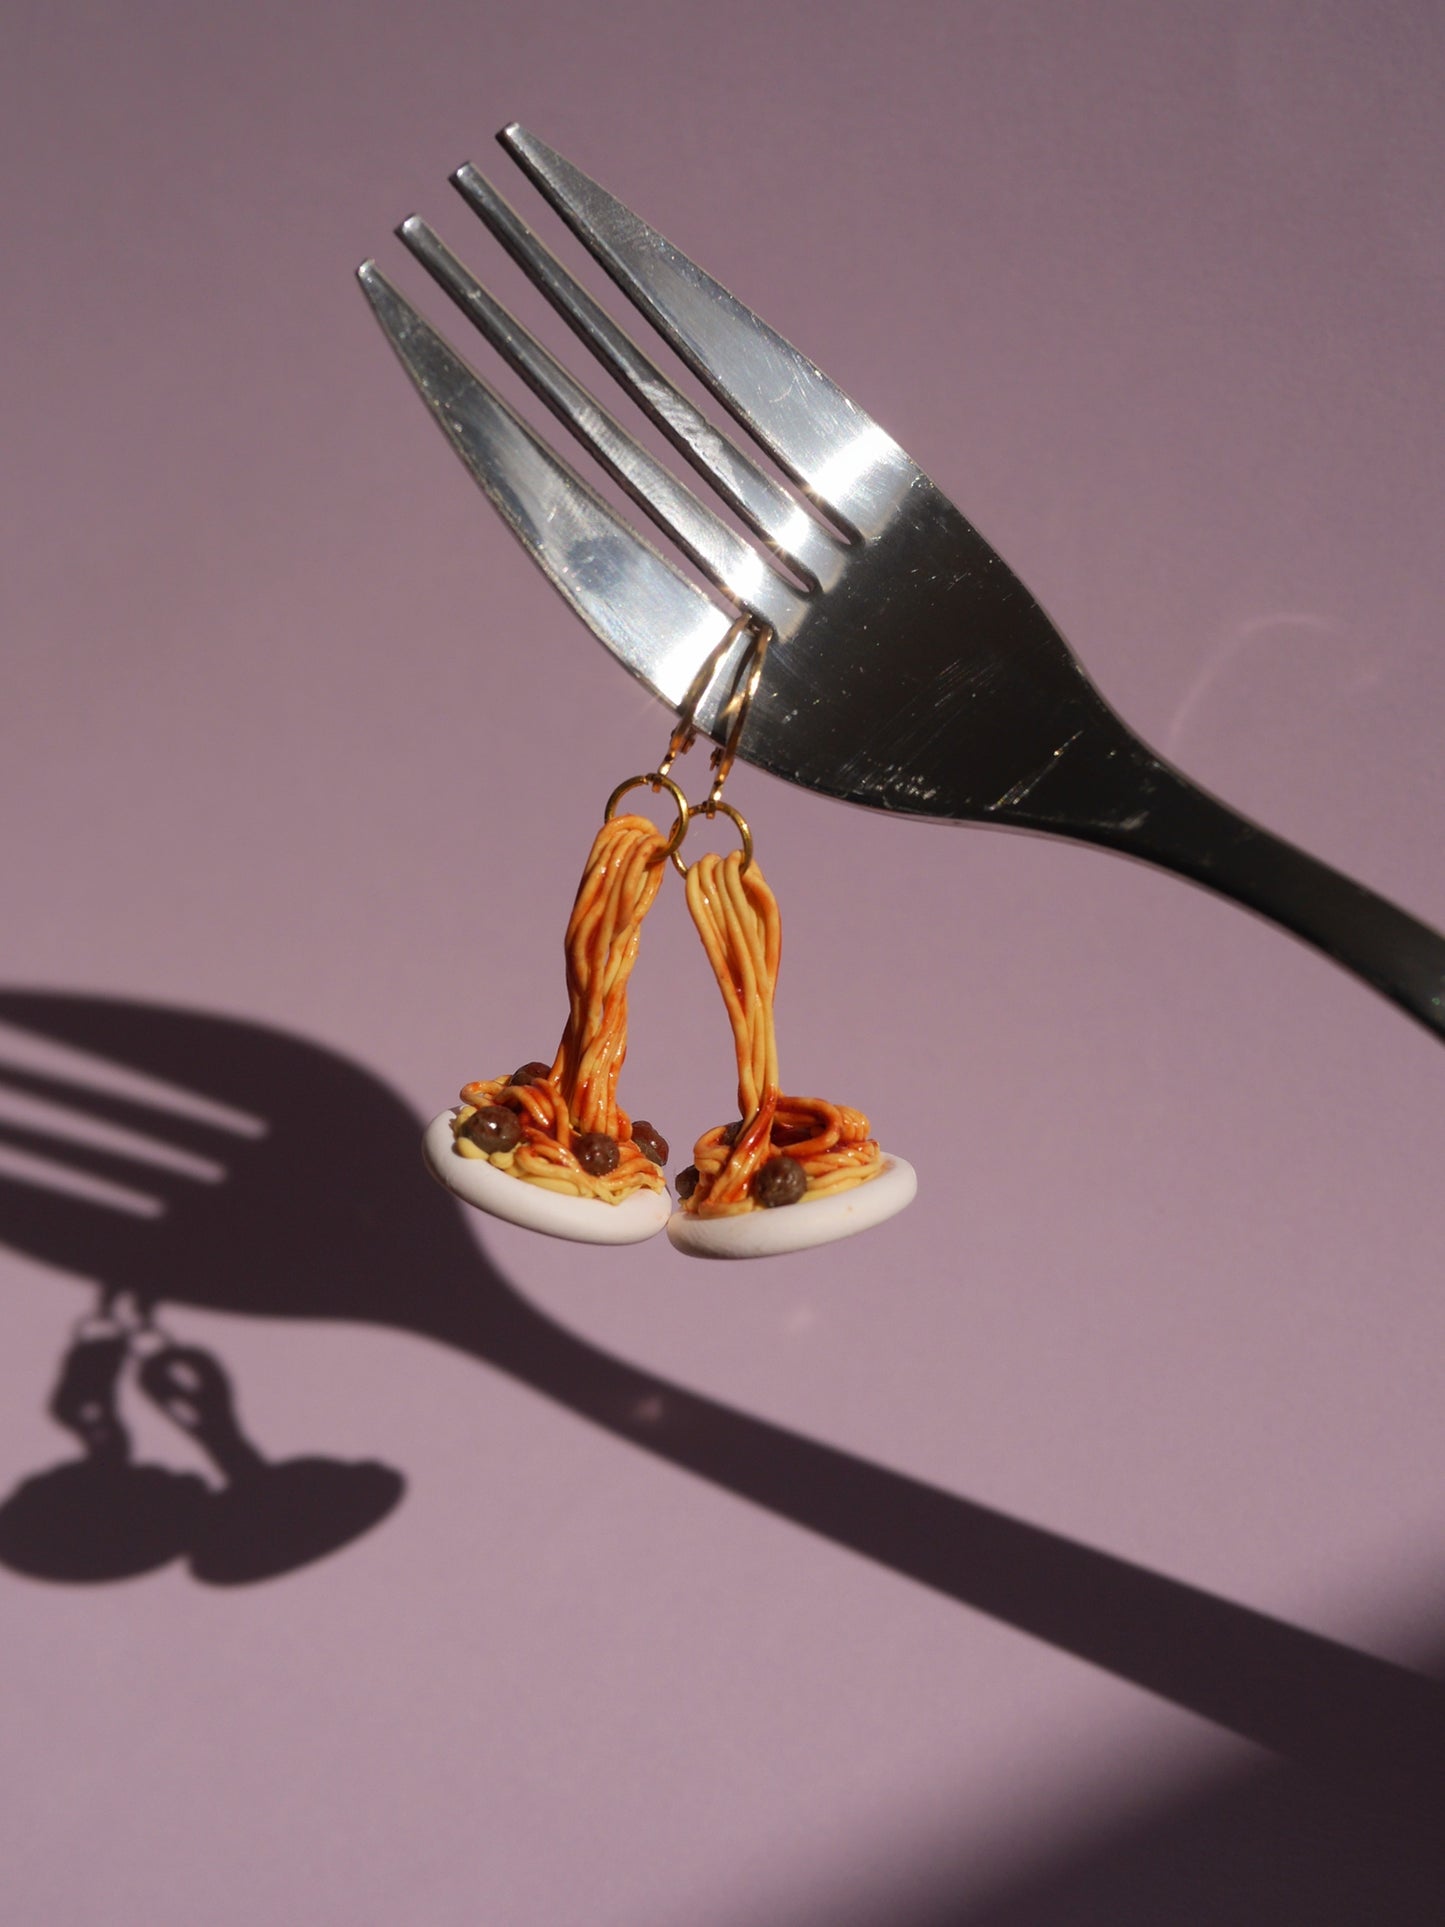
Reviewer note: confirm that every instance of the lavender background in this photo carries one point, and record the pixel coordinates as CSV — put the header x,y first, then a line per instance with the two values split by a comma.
x,y
1069,1549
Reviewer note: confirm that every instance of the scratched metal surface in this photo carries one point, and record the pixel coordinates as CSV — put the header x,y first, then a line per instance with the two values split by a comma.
x,y
1072,1538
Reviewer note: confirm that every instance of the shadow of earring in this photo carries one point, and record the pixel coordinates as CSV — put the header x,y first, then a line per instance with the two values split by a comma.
x,y
267,1519
99,1517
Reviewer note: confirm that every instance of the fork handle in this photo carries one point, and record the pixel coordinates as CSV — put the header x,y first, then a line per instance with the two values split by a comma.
x,y
1143,807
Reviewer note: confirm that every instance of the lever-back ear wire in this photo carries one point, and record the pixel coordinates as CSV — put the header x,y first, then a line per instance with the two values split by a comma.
x,y
739,702
684,735
735,713
744,688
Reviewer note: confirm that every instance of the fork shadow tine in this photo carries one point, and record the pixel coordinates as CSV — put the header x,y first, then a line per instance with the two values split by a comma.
x,y
104,1161
802,418
155,1045
174,1129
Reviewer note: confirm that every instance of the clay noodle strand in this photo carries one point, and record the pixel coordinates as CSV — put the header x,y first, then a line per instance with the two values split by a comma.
x,y
737,918
621,879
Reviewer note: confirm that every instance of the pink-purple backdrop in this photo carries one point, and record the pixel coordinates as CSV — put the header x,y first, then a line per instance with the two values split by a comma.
x,y
1068,1550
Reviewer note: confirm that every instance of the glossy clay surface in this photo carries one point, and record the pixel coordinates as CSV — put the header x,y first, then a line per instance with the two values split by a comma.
x,y
796,1227
586,1220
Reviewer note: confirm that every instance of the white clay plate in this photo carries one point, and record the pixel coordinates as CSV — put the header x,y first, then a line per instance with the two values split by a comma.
x,y
588,1220
793,1227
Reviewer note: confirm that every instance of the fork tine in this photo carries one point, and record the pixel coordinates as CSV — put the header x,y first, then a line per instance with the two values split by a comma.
x,y
657,622
758,499
813,430
735,565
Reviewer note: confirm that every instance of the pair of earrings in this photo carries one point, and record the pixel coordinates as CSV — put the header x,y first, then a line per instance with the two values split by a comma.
x,y
549,1146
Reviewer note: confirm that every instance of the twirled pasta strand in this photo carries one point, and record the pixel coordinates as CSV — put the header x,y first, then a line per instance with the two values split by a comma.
x,y
620,881
737,918
623,874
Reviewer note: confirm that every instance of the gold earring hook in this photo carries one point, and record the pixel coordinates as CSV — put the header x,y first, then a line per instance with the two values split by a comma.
x,y
739,702
734,712
684,733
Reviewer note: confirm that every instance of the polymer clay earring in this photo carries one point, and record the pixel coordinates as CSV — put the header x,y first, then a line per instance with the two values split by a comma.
x,y
549,1146
789,1172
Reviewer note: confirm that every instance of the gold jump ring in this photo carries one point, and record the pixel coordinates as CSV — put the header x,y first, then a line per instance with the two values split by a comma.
x,y
655,781
712,807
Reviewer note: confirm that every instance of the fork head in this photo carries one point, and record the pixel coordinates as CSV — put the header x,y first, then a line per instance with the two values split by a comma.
x,y
911,670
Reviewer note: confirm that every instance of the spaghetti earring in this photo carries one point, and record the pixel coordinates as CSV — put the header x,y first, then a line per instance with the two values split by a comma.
x,y
782,1151
549,1147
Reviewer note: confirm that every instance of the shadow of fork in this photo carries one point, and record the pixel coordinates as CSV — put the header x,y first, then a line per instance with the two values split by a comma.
x,y
325,1214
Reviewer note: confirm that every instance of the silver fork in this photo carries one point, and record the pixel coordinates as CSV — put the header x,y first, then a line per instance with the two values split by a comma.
x,y
910,670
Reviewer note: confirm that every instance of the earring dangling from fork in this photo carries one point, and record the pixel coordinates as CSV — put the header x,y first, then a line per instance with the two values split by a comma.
x,y
781,1151
549,1147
